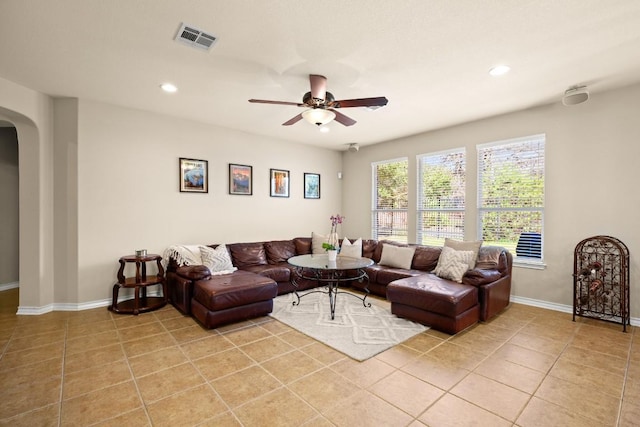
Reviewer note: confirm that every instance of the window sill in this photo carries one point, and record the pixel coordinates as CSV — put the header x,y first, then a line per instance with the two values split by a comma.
x,y
532,264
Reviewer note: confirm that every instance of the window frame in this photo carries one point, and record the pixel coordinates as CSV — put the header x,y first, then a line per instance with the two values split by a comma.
x,y
420,233
521,261
374,198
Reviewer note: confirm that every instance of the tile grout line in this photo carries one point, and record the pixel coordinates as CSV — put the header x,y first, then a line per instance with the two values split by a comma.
x,y
626,374
62,373
133,377
546,374
448,391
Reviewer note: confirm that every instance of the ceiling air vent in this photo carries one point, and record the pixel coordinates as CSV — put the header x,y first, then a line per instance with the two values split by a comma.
x,y
194,37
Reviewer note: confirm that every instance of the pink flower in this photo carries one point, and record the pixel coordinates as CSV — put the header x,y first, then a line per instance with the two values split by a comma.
x,y
336,219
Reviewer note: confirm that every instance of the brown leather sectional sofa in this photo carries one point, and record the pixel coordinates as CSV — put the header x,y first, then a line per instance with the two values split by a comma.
x,y
263,273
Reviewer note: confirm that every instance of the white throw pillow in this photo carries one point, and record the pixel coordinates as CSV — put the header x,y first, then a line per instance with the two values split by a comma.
x,y
352,250
217,260
453,264
397,256
184,254
465,246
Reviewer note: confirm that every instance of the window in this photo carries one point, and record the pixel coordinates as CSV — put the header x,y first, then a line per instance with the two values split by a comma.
x,y
390,200
511,195
441,194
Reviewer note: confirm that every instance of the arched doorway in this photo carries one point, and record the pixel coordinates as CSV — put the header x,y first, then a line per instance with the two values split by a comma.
x,y
34,207
9,211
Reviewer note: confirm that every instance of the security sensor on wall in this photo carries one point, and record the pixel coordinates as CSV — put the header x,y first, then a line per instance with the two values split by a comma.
x,y
575,95
354,147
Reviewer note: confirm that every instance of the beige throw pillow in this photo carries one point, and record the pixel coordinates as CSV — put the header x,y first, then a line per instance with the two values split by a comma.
x,y
217,260
352,250
465,246
396,256
453,264
316,243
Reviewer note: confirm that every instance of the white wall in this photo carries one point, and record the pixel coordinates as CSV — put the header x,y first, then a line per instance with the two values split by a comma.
x,y
128,189
592,177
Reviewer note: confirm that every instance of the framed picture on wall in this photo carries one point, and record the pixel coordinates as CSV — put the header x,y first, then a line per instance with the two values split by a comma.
x,y
194,175
240,179
311,185
279,183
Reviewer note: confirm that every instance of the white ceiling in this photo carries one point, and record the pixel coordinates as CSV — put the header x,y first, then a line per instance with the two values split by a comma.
x,y
430,58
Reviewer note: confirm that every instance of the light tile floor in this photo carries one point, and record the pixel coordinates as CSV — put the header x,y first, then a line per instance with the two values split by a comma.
x,y
527,367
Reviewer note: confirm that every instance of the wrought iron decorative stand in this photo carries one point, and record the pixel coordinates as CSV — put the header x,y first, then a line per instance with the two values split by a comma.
x,y
601,280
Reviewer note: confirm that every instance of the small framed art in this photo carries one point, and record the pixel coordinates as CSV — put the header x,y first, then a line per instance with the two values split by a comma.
x,y
194,175
311,186
240,179
279,183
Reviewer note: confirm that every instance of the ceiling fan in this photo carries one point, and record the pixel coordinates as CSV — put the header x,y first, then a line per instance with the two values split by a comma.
x,y
322,104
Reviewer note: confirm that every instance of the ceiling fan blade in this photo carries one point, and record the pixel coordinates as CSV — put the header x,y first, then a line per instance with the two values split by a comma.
x,y
318,86
341,118
380,101
263,101
293,120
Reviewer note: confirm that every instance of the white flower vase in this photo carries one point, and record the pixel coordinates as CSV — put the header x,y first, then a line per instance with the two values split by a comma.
x,y
332,254
333,240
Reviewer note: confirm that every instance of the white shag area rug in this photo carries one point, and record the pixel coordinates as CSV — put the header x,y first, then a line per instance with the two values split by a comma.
x,y
359,332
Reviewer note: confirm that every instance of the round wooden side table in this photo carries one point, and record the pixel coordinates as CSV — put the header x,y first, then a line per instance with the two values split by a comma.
x,y
140,303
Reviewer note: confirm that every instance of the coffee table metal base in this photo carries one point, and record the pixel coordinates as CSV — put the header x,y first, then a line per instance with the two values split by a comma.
x,y
332,280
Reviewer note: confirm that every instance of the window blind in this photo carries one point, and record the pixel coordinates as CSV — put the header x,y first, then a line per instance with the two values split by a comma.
x,y
441,196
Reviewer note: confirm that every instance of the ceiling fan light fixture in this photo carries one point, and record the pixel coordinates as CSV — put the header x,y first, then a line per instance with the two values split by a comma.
x,y
324,129
318,116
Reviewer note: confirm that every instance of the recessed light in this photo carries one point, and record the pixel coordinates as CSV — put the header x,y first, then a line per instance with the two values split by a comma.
x,y
499,70
168,87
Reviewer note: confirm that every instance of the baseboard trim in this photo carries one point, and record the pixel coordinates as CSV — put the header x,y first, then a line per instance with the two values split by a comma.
x,y
106,302
10,285
556,307
57,306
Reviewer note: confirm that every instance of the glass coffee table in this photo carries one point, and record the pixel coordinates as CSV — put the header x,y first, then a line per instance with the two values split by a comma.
x,y
330,273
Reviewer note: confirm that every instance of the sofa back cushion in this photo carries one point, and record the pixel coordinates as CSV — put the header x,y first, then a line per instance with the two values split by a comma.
x,y
426,257
369,247
279,250
303,245
246,254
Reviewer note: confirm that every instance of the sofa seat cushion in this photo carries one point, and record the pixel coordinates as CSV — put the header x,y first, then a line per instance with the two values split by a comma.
x,y
431,293
277,272
233,290
384,275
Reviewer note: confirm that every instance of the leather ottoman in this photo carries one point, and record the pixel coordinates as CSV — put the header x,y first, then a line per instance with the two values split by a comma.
x,y
442,304
228,298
